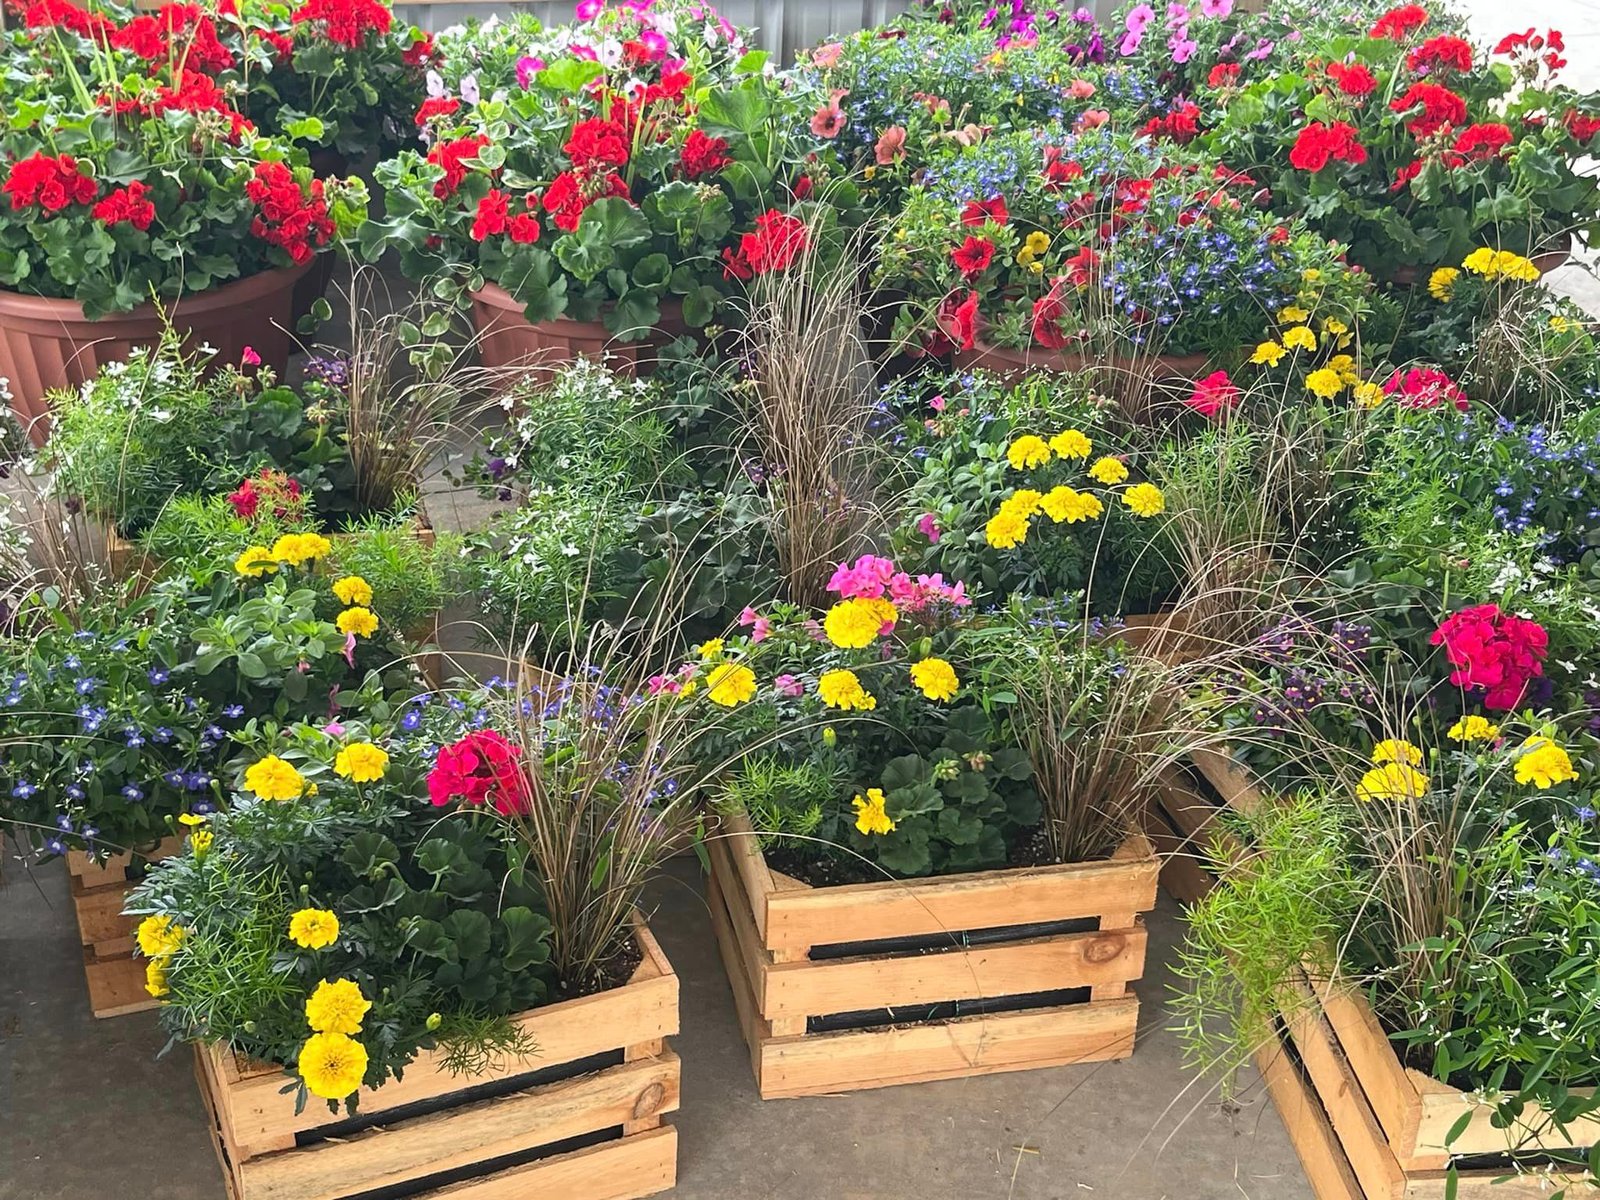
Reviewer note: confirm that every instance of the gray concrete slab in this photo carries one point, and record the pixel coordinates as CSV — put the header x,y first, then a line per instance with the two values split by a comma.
x,y
87,1108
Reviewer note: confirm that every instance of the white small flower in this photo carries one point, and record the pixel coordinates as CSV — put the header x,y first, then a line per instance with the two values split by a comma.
x,y
469,89
435,85
569,550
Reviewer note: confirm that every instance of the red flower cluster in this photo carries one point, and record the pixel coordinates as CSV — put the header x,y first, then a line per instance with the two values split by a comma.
x,y
197,93
1223,75
126,204
1182,124
347,21
1527,46
777,241
571,192
419,53
1354,79
50,182
436,106
1320,144
481,768
1440,108
1048,310
291,218
597,143
1213,394
957,322
181,31
451,156
1581,126
1424,387
1399,23
703,154
1487,140
66,15
978,211
494,216
280,493
1445,53
1495,651
973,256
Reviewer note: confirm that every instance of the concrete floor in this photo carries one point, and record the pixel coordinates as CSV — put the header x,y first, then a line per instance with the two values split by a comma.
x,y
87,1107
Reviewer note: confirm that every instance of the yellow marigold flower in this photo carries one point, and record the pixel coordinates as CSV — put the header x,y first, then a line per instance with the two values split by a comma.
x,y
1543,763
1071,443
1396,750
192,819
1473,728
870,816
314,928
155,977
1108,469
1334,326
729,684
1324,382
332,1065
362,622
1145,499
200,842
1561,324
1480,261
1342,363
842,689
710,648
159,936
1037,242
1268,354
1368,395
1514,266
337,1007
353,589
936,678
361,762
1006,529
274,779
1293,315
1024,502
255,562
296,548
1028,451
1442,284
1300,338
1070,505
1392,781
852,624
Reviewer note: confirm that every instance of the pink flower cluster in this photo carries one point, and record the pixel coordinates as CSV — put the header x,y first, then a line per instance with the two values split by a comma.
x,y
481,768
1493,650
1424,387
872,578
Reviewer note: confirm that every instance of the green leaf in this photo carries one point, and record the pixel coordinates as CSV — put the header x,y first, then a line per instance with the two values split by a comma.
x,y
527,938
471,932
568,74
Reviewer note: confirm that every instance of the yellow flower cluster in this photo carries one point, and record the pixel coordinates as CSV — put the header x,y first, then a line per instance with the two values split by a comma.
x,y
1442,284
1070,505
314,928
870,815
936,678
291,549
361,762
332,1063
1394,775
1033,248
362,622
842,689
353,589
272,778
855,623
159,938
1473,728
1543,763
1145,499
1500,264
729,684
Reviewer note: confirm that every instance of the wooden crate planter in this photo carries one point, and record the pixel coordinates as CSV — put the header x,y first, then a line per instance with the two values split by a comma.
x,y
580,1120
114,976
1365,1126
876,984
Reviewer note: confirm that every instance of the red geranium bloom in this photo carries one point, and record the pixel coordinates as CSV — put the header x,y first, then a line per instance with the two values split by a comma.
x,y
493,215
802,187
67,15
1354,79
1406,174
1213,394
978,211
245,501
50,182
1223,75
482,767
597,141
1444,53
1181,124
973,256
959,321
347,21
126,204
1398,23
570,193
1048,310
1319,144
420,53
1581,126
1424,387
436,106
778,239
524,228
703,154
451,156
291,217
1440,108
1497,652
1483,141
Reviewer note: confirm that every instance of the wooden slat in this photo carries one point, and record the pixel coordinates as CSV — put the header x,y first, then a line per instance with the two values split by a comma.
x,y
756,1030
1442,1106
737,840
1307,1124
997,969
1233,782
100,920
1481,1185
113,871
1181,875
116,985
623,1170
1377,1067
964,1046
950,903
459,1137
641,1010
745,938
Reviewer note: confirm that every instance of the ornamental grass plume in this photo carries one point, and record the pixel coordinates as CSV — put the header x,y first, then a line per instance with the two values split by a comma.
x,y
812,404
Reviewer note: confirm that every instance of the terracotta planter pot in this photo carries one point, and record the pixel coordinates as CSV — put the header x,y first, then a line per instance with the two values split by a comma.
x,y
1132,380
506,338
46,344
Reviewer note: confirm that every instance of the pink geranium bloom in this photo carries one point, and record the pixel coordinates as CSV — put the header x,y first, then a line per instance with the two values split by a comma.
x,y
1080,89
1213,394
250,358
588,10
828,55
928,526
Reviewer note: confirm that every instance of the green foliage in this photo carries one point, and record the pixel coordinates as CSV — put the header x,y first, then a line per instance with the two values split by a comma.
x,y
783,800
411,579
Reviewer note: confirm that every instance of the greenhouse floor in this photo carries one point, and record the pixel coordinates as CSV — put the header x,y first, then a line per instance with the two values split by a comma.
x,y
86,1107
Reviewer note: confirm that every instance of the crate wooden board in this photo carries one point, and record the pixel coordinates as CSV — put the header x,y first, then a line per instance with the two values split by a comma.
x,y
768,924
1365,1126
444,1141
114,977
